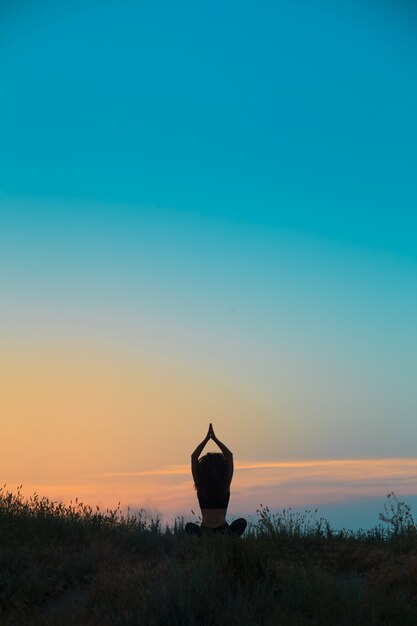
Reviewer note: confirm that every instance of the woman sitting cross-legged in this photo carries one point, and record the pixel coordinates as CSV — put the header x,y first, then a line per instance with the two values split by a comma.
x,y
212,475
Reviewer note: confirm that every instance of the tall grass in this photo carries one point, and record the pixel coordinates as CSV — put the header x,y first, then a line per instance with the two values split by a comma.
x,y
72,564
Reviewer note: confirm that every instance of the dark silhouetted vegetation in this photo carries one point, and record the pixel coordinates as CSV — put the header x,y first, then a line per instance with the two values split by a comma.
x,y
69,564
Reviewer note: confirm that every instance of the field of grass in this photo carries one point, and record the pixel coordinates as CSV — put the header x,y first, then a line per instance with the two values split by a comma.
x,y
62,565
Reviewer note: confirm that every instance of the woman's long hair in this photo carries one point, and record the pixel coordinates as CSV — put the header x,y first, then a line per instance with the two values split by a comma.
x,y
213,476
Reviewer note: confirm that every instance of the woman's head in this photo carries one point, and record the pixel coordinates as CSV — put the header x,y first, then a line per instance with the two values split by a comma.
x,y
213,474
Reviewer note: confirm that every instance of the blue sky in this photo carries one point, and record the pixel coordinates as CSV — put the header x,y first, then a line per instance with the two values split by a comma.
x,y
228,188
299,115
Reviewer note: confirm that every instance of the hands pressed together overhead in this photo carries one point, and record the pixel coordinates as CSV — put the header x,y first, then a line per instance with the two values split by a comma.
x,y
199,449
211,435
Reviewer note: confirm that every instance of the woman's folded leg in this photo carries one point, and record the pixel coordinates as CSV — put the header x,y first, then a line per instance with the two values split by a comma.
x,y
192,529
238,527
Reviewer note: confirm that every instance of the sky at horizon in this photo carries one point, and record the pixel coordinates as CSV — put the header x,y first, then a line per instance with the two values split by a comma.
x,y
209,213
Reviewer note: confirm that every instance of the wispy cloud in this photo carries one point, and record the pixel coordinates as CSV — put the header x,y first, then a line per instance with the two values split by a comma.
x,y
341,468
169,490
170,470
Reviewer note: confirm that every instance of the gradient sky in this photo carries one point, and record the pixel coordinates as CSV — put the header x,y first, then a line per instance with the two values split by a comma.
x,y
208,212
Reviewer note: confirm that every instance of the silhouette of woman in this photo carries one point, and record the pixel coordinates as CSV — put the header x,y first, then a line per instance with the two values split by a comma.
x,y
212,475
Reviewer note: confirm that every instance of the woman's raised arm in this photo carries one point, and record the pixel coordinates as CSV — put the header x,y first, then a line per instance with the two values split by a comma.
x,y
227,453
195,466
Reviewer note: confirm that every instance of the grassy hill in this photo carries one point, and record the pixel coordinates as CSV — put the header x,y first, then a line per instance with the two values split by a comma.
x,y
62,565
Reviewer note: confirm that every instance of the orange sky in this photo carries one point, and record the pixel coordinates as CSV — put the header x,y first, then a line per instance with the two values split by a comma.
x,y
75,410
169,490
107,427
